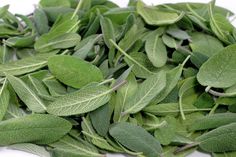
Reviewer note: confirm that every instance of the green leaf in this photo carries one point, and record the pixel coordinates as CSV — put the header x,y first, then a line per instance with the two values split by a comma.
x,y
98,141
205,44
52,3
213,121
46,43
136,139
138,61
149,13
27,95
85,100
37,128
73,71
107,30
188,84
41,21
25,65
177,33
219,71
149,89
123,95
20,42
31,148
172,78
165,133
100,119
55,88
172,109
222,139
71,147
156,50
4,99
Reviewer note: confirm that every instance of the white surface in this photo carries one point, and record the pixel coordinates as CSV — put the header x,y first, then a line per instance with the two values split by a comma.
x,y
27,6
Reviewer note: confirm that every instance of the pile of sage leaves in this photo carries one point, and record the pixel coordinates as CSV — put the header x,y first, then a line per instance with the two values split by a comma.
x,y
86,78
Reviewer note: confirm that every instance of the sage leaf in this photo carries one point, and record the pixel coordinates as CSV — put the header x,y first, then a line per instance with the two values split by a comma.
x,y
156,51
212,121
37,128
81,72
101,115
164,18
72,147
85,100
149,89
31,148
27,95
205,44
221,139
4,99
46,43
107,30
219,71
136,139
25,65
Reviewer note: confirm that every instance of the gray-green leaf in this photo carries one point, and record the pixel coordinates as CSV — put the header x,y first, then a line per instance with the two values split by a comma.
x,y
37,128
27,95
136,139
85,100
149,89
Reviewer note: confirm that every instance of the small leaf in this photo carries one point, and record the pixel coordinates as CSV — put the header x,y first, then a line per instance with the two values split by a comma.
x,y
85,100
100,119
136,139
156,50
37,128
107,30
4,100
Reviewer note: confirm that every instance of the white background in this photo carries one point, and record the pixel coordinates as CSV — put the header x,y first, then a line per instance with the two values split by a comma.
x,y
27,6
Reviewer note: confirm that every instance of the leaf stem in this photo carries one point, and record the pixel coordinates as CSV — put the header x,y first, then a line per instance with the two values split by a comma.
x,y
186,60
119,85
213,109
106,81
183,50
77,9
219,94
188,146
181,109
195,13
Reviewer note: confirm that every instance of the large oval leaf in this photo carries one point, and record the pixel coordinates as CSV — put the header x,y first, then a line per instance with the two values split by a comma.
x,y
73,71
85,100
136,139
219,71
222,139
37,128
